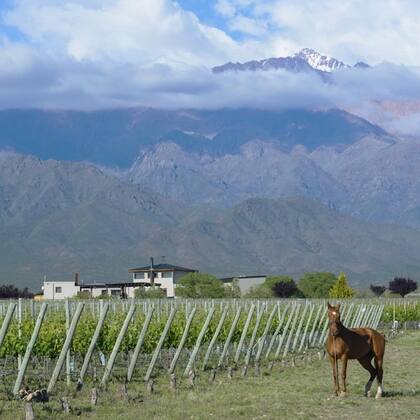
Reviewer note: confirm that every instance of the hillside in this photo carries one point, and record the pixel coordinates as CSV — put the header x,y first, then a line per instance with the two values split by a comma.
x,y
60,217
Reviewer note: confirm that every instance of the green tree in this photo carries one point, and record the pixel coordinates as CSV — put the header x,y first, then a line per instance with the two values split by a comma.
x,y
200,285
341,289
261,291
317,285
149,293
282,286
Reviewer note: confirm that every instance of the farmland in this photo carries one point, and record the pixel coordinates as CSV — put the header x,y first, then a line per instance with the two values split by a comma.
x,y
192,348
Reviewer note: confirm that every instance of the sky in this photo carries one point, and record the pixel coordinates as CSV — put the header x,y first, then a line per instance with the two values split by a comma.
x,y
88,54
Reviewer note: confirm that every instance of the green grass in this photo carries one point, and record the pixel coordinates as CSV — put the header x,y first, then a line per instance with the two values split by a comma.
x,y
300,392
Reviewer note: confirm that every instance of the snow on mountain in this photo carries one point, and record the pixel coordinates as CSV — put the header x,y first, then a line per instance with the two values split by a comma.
x,y
320,62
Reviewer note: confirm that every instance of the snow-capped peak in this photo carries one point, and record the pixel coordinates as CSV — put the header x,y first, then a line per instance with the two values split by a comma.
x,y
319,61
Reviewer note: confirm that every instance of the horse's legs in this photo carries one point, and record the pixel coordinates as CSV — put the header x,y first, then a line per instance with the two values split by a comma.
x,y
365,362
343,375
380,371
335,376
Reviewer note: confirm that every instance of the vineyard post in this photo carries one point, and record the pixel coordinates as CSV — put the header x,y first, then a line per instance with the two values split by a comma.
x,y
378,316
92,344
308,322
318,335
254,335
118,341
348,315
215,335
357,316
366,315
32,309
302,319
294,310
371,315
19,314
66,346
318,313
277,332
182,341
140,342
374,315
67,309
324,331
292,329
265,332
243,335
229,337
200,337
160,343
29,348
6,321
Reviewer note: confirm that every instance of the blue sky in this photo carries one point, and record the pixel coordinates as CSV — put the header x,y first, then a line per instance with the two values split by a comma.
x,y
102,53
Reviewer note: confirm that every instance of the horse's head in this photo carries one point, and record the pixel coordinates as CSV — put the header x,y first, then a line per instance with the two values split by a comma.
x,y
334,319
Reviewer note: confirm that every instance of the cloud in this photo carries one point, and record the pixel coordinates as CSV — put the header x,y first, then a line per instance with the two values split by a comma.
x,y
115,53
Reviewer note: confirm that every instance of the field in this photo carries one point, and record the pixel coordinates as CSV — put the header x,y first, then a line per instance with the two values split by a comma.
x,y
285,392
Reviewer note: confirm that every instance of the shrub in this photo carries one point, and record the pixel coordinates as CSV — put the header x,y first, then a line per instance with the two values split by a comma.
x,y
317,285
402,286
341,289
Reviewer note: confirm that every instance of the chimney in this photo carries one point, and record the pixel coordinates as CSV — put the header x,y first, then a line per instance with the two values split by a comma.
x,y
152,273
76,279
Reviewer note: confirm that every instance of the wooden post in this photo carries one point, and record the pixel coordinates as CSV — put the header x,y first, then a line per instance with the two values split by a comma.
x,y
244,331
67,310
229,337
302,318
66,346
285,331
92,345
318,313
182,341
139,344
214,338
302,341
254,335
6,321
292,329
29,348
109,366
266,330
160,344
277,332
198,342
19,314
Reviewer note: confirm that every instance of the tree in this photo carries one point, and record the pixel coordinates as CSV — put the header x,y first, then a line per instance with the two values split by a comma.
x,y
8,291
200,285
402,286
262,291
341,289
149,293
282,286
377,290
317,285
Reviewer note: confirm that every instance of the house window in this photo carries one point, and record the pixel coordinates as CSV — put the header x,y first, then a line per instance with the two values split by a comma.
x,y
58,289
167,275
115,292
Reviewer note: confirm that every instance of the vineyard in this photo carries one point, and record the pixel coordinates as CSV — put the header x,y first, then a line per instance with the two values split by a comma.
x,y
49,345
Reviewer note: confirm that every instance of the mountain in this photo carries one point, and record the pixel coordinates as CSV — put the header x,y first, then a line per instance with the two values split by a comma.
x,y
69,217
115,138
306,60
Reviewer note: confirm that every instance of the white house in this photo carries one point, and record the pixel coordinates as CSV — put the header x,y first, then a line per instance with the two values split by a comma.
x,y
164,275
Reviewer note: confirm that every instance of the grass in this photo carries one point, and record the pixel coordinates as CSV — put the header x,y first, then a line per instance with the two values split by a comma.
x,y
300,392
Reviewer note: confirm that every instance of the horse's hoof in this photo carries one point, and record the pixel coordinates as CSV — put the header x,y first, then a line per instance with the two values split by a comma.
x,y
378,396
342,394
368,394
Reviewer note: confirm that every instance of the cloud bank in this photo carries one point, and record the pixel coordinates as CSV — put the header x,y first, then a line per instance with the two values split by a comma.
x,y
118,53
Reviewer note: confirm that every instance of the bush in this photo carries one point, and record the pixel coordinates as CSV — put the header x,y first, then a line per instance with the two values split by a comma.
x,y
377,290
402,286
282,286
341,290
317,285
200,285
150,293
9,291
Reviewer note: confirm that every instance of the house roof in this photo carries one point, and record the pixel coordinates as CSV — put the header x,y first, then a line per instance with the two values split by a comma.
x,y
161,267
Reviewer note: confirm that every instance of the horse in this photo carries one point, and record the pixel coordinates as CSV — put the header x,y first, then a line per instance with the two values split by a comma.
x,y
363,344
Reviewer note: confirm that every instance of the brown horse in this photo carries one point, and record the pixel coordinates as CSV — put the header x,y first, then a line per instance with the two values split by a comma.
x,y
362,344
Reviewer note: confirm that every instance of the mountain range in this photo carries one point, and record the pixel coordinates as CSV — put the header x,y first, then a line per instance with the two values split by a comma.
x,y
59,217
229,191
